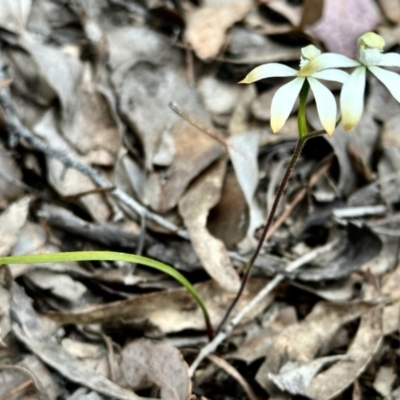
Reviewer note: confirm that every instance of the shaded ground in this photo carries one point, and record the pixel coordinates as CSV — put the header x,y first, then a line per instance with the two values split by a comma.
x,y
94,157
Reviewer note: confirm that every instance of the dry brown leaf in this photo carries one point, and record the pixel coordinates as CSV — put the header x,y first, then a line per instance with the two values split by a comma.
x,y
342,22
5,83
365,345
229,219
69,182
93,127
384,380
170,311
28,329
391,9
145,363
295,377
391,285
11,222
243,151
62,71
9,173
194,207
207,26
60,285
302,341
250,47
293,13
312,12
391,318
14,14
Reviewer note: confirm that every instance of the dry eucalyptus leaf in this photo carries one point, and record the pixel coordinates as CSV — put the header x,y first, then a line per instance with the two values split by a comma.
x,y
384,380
391,318
218,96
250,47
14,15
202,195
342,22
243,151
293,13
391,9
69,182
295,377
312,12
84,394
9,171
363,348
93,127
62,71
146,363
207,25
311,336
11,222
60,285
229,219
129,45
170,311
5,322
28,329
350,252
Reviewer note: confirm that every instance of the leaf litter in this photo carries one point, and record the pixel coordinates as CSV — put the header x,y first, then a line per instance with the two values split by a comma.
x,y
95,80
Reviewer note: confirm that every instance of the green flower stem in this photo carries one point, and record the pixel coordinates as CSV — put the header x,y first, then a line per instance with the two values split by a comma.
x,y
303,137
301,115
114,256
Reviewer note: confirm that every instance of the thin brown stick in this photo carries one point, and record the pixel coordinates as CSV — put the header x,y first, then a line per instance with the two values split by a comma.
x,y
215,135
16,390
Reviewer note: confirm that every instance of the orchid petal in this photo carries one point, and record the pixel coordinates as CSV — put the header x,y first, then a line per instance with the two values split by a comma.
x,y
352,99
268,71
327,61
326,105
390,79
332,75
283,102
389,60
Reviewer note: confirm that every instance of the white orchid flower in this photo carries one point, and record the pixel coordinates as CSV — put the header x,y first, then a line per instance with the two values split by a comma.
x,y
313,66
370,46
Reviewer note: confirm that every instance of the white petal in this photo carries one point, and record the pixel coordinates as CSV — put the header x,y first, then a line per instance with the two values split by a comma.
x,y
389,60
283,102
268,71
327,61
332,75
326,105
352,99
390,79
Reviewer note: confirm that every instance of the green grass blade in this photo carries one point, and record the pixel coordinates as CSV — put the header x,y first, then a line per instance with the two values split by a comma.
x,y
112,256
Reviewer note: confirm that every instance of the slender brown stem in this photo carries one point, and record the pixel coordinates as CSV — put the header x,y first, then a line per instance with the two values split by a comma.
x,y
250,263
295,156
